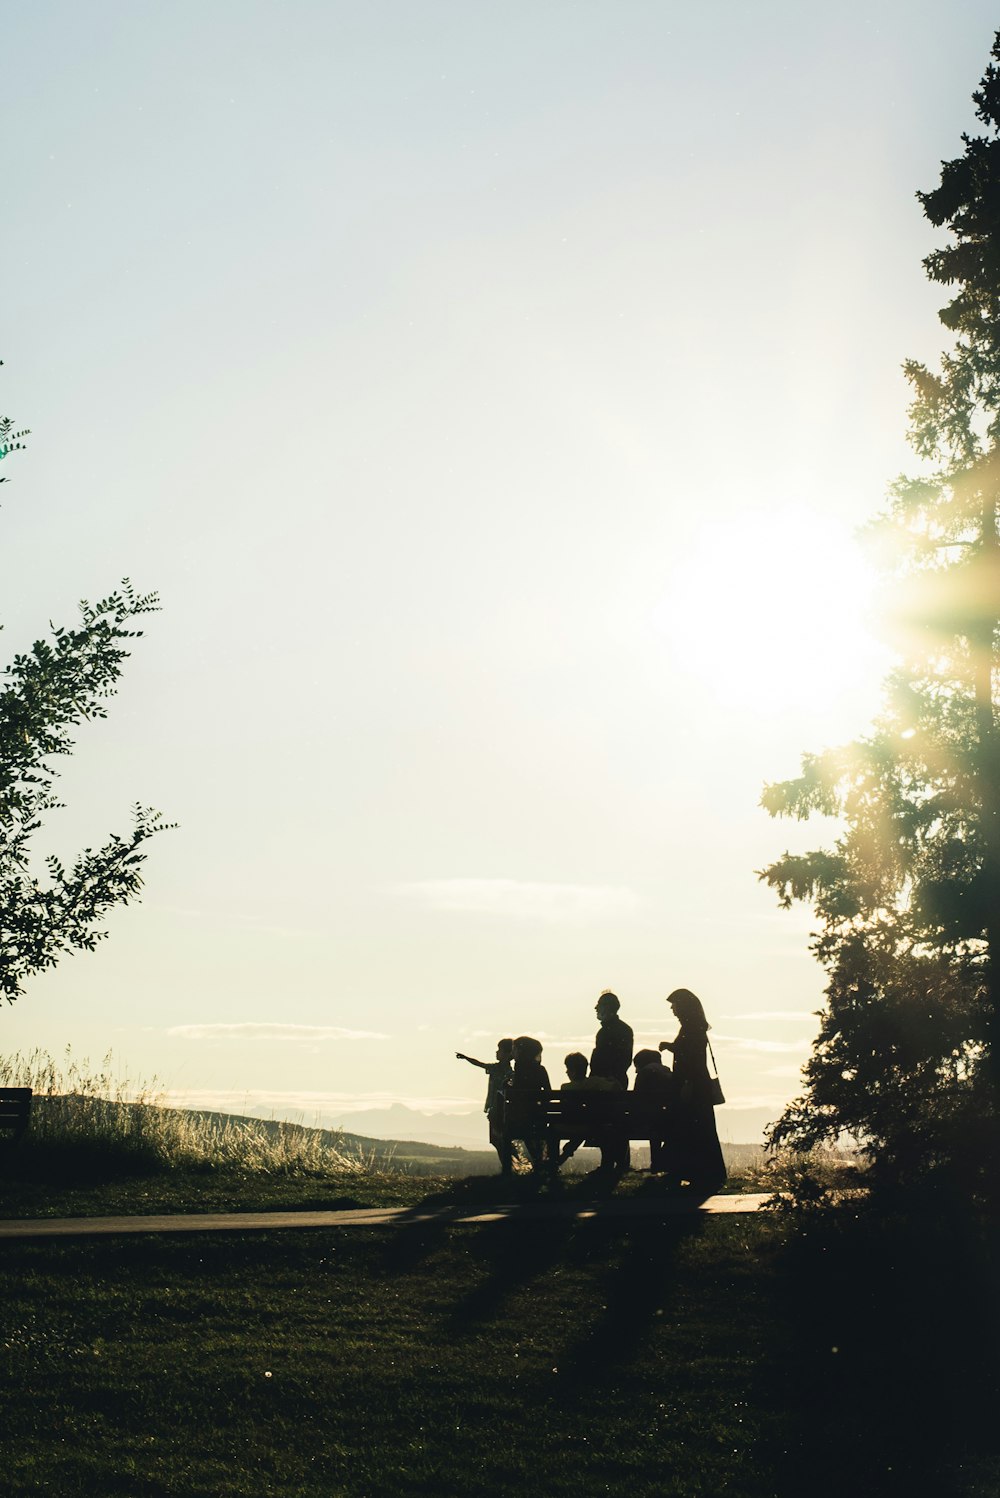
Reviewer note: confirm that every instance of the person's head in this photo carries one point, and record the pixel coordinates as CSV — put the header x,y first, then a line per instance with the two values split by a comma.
x,y
505,1050
607,1005
646,1058
526,1048
687,1007
576,1066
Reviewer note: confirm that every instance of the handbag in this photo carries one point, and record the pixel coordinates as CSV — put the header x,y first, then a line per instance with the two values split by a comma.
x,y
714,1085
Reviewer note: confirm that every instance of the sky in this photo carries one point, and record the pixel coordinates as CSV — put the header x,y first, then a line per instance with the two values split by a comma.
x,y
492,394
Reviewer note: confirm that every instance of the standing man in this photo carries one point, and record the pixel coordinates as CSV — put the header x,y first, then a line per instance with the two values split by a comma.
x,y
612,1053
611,1058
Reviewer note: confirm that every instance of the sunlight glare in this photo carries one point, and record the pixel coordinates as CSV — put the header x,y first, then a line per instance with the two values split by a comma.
x,y
768,613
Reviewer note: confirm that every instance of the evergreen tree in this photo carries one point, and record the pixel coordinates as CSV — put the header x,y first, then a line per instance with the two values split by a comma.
x,y
46,692
908,1055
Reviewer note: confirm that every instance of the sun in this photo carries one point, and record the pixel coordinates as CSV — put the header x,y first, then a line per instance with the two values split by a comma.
x,y
767,611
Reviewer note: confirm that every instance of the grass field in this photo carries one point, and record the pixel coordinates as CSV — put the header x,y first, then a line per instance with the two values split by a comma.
x,y
743,1357
786,1355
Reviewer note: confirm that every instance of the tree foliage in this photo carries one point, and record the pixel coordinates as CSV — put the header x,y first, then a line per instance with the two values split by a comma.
x,y
908,899
61,682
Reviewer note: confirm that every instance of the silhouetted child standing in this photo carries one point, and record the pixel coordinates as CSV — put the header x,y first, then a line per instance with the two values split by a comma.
x,y
530,1076
498,1074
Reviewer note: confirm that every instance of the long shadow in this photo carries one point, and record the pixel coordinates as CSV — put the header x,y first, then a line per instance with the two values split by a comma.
x,y
410,1242
516,1252
413,1239
637,1286
519,1198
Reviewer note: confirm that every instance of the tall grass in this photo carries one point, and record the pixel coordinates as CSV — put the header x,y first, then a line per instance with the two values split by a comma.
x,y
803,1178
87,1120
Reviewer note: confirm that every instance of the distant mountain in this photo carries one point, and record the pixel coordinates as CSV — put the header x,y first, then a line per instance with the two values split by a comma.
x,y
461,1130
736,1125
469,1130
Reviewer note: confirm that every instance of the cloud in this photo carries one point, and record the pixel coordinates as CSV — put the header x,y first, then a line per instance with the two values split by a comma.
x,y
574,1042
516,899
755,1101
309,1103
301,1033
799,1015
773,1047
554,1045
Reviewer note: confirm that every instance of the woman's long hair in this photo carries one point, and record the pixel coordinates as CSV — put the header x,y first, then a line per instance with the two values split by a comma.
x,y
688,1008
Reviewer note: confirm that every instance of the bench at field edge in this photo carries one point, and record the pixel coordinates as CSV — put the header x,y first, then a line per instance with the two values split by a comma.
x,y
15,1111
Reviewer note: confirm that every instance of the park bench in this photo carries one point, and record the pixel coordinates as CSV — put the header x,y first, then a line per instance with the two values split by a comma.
x,y
15,1111
549,1117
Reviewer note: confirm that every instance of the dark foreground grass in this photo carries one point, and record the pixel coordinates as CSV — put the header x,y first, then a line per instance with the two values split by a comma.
x,y
745,1357
95,1194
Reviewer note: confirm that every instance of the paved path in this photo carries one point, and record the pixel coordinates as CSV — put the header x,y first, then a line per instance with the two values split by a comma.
x,y
381,1217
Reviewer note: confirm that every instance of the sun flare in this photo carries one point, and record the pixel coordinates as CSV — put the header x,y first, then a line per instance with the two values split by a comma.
x,y
769,611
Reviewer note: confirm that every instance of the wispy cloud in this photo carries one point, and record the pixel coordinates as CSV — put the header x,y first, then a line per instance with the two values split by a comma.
x,y
774,1105
307,1034
800,1016
772,1047
554,1044
516,899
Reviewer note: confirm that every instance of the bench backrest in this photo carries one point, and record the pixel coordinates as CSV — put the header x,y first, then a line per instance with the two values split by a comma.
x,y
567,1114
15,1109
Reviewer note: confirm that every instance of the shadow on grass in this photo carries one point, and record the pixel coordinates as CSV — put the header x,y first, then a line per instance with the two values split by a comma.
x,y
513,1195
497,1191
520,1198
638,1281
515,1253
639,1285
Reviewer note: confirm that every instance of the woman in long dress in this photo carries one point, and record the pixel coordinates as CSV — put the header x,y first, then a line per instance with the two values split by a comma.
x,y
694,1153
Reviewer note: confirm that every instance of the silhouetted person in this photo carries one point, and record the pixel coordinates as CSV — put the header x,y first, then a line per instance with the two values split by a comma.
x,y
576,1071
693,1152
611,1058
498,1074
612,1053
530,1076
656,1083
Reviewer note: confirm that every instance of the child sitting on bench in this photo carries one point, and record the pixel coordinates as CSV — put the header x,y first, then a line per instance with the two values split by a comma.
x,y
576,1071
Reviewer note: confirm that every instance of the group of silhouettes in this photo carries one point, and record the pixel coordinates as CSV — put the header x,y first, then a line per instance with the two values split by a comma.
x,y
685,1151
